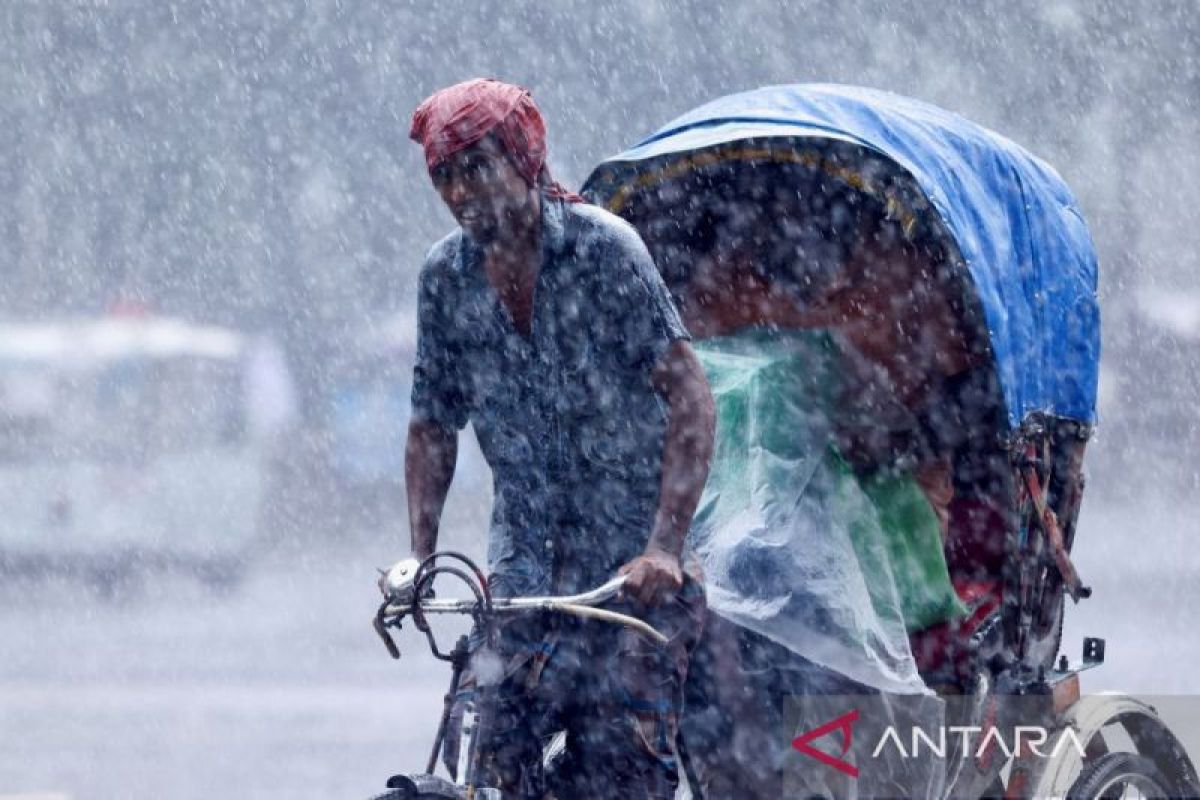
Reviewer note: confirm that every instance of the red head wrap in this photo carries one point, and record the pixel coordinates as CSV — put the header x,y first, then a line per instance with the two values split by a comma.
x,y
459,116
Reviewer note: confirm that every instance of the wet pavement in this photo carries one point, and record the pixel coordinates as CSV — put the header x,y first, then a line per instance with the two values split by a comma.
x,y
279,687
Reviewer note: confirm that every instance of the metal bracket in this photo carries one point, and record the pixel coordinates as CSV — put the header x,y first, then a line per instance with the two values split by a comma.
x,y
1093,651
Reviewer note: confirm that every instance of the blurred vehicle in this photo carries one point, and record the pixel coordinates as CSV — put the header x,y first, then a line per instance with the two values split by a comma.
x,y
366,417
130,444
367,420
1166,326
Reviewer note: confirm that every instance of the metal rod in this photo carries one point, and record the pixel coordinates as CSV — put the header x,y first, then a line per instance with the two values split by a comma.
x,y
508,604
604,615
459,661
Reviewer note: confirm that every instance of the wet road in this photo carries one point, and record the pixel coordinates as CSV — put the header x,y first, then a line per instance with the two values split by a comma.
x,y
277,689
280,688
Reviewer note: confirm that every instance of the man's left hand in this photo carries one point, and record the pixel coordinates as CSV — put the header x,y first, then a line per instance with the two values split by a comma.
x,y
653,576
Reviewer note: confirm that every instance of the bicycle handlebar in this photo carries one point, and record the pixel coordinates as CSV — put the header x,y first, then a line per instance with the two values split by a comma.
x,y
580,605
400,588
600,594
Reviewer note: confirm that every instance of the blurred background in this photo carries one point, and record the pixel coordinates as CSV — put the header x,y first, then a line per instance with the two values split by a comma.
x,y
212,225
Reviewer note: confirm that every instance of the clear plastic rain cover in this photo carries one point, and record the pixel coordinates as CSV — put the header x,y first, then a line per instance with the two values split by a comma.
x,y
793,545
796,548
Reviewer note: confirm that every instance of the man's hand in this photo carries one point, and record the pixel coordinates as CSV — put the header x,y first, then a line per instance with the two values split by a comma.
x,y
653,576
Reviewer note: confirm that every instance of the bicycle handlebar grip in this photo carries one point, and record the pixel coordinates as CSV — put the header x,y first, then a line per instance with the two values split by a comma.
x,y
381,629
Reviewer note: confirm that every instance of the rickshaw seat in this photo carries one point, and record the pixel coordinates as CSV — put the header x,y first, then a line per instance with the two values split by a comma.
x,y
975,557
975,547
942,650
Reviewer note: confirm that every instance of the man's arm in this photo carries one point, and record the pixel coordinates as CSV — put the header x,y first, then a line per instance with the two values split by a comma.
x,y
429,458
687,454
439,409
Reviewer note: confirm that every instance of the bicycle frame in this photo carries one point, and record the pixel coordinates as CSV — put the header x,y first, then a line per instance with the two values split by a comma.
x,y
407,589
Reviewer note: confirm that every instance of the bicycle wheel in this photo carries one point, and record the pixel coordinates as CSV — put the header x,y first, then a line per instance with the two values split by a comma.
x,y
420,787
1119,775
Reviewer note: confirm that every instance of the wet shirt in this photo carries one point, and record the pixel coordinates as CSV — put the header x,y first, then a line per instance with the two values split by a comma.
x,y
566,418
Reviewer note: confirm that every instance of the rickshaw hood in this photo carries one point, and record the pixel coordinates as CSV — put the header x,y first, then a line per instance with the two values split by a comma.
x,y
1017,226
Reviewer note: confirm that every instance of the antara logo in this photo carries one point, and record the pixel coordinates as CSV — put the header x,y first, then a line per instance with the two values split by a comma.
x,y
1030,739
974,741
843,724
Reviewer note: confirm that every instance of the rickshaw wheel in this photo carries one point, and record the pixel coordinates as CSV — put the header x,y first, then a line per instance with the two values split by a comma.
x,y
1157,765
1122,775
422,787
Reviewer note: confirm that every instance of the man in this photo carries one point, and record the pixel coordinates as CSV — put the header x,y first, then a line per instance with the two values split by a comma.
x,y
543,321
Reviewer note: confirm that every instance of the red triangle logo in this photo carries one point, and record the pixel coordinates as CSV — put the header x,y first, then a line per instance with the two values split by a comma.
x,y
844,724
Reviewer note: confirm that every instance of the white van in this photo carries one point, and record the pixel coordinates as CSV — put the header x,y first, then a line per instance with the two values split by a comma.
x,y
133,443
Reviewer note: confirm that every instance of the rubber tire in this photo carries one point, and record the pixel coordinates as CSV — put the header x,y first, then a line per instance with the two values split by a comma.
x,y
1102,772
420,787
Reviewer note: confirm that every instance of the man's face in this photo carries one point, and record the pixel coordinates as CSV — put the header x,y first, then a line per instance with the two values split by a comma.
x,y
484,192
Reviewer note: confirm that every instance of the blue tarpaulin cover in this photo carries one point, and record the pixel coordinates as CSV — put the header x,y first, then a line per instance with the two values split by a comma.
x,y
1017,226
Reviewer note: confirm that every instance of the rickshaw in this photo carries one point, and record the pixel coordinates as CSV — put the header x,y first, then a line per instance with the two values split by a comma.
x,y
1014,243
